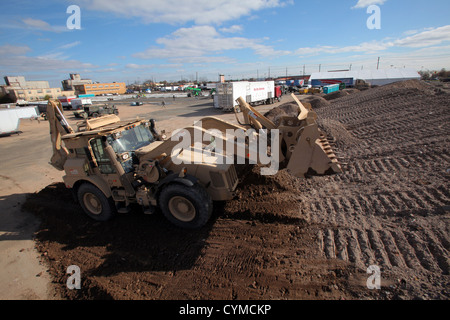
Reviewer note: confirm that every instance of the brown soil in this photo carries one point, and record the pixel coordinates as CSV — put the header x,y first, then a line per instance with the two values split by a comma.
x,y
286,109
316,101
283,237
335,95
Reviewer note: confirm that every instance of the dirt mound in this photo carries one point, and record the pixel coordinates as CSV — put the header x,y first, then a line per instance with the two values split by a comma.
x,y
316,102
291,108
335,95
287,109
276,201
335,130
410,84
351,90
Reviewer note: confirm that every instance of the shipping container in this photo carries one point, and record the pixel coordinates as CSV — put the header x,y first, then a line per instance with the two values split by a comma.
x,y
331,88
252,92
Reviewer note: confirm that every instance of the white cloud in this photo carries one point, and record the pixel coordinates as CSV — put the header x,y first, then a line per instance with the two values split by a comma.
x,y
70,45
139,66
41,25
203,44
152,66
9,50
13,59
423,39
176,12
233,29
426,38
366,47
38,24
367,3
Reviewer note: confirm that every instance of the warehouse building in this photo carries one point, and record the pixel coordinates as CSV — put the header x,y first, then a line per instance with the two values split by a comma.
x,y
75,79
18,89
374,77
101,88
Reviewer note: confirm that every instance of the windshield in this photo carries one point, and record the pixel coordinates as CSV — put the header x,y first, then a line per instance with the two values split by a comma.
x,y
128,141
132,139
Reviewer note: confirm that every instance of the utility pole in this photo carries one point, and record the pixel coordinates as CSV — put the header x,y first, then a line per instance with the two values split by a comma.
x,y
269,72
320,66
303,69
378,63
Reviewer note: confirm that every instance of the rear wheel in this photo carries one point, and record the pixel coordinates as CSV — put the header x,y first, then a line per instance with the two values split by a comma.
x,y
94,202
186,207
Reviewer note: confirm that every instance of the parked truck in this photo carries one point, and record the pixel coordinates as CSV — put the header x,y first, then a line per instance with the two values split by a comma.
x,y
295,83
66,101
94,111
260,92
80,103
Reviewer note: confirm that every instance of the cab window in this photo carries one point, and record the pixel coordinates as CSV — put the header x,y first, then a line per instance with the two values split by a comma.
x,y
104,163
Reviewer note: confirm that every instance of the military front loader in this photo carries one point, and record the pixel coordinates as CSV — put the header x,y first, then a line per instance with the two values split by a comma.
x,y
111,164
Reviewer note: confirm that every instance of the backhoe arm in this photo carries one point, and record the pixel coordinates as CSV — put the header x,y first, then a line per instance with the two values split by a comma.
x,y
58,127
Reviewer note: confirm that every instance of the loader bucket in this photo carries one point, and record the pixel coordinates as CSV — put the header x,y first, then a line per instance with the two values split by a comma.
x,y
305,147
312,152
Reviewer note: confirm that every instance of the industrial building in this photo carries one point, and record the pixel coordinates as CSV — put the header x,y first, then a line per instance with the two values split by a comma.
x,y
75,79
374,77
18,89
101,88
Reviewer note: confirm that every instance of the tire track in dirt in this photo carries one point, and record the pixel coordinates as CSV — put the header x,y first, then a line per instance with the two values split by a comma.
x,y
385,248
395,182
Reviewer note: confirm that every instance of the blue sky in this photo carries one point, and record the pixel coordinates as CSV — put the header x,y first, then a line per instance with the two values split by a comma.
x,y
136,40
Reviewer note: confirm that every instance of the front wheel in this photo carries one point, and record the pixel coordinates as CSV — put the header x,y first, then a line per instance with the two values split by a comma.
x,y
94,202
186,207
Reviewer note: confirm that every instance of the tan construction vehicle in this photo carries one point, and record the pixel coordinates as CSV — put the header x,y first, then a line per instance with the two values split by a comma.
x,y
110,164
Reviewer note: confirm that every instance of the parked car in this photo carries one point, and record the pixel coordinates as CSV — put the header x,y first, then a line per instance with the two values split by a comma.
x,y
136,103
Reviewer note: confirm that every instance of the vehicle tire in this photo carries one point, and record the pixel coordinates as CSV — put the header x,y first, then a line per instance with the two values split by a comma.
x,y
116,112
186,207
94,202
95,115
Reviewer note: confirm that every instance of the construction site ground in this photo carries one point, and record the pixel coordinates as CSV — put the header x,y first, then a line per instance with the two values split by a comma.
x,y
281,237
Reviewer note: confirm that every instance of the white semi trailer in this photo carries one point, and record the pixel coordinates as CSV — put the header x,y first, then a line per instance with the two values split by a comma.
x,y
258,92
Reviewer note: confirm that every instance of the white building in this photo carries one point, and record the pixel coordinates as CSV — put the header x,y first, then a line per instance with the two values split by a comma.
x,y
374,77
